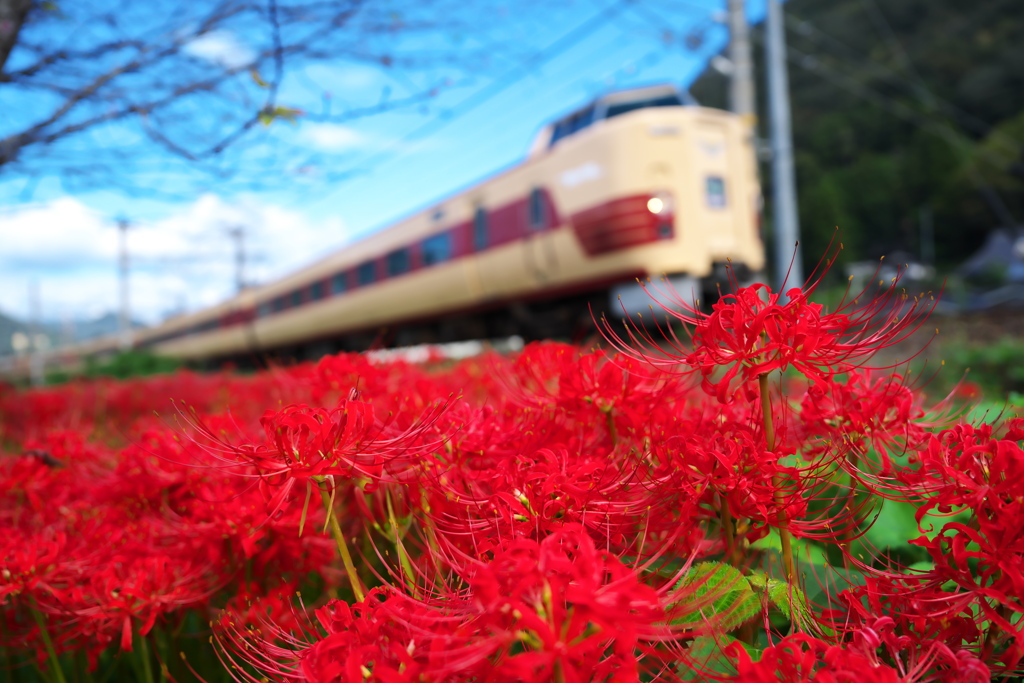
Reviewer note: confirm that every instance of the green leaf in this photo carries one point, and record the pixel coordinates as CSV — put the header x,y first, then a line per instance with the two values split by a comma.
x,y
895,525
716,595
254,72
790,600
706,654
289,114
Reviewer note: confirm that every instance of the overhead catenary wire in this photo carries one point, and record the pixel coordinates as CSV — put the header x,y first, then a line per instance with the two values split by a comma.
x,y
400,148
484,94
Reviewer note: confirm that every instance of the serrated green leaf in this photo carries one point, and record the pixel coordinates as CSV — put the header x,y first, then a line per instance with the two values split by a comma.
x,y
789,600
716,595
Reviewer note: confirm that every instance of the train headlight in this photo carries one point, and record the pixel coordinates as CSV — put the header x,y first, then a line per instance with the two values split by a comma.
x,y
660,204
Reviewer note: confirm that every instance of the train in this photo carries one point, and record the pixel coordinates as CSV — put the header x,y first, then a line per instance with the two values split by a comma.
x,y
638,183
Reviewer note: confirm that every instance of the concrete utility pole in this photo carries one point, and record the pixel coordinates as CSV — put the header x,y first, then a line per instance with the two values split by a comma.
x,y
124,321
741,84
786,220
237,233
35,334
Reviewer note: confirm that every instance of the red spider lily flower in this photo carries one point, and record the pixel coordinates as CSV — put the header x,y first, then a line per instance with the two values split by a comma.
x,y
347,443
532,495
881,412
967,470
559,609
595,386
926,626
755,331
574,609
801,657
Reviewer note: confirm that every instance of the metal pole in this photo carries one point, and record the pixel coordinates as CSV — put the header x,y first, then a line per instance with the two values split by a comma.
x,y
786,220
124,317
741,85
35,363
238,234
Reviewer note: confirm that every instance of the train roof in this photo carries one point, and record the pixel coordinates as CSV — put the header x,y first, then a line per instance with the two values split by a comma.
x,y
607,106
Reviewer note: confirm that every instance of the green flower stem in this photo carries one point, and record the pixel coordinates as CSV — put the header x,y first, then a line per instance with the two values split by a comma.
x,y
339,539
403,557
728,532
147,667
769,438
58,673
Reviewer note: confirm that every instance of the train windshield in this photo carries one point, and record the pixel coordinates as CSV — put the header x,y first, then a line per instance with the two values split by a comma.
x,y
620,108
571,124
617,104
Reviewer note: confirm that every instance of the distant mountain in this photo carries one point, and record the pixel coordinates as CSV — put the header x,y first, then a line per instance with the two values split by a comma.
x,y
107,324
59,333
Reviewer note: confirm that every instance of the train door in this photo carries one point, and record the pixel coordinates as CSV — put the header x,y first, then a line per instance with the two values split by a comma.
x,y
539,243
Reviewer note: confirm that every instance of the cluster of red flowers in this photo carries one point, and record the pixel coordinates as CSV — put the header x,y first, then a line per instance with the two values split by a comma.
x,y
562,515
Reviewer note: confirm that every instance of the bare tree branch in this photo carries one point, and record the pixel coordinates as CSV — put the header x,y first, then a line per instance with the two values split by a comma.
x,y
13,14
108,91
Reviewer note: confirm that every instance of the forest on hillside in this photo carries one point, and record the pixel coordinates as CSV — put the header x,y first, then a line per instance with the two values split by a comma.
x,y
905,113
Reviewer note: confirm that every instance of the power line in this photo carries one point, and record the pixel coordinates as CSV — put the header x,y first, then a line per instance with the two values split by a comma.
x,y
643,62
497,86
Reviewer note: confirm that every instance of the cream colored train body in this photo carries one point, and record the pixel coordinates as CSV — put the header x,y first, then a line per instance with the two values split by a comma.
x,y
636,184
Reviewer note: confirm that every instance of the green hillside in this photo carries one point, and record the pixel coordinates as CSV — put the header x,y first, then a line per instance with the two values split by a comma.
x,y
901,109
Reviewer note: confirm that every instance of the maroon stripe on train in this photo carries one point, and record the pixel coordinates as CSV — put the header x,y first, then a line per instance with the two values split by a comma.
x,y
620,223
506,223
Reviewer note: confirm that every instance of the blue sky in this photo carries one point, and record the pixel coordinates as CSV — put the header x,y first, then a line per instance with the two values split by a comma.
x,y
566,53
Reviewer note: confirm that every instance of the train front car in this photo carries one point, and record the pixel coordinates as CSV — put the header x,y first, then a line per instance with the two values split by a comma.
x,y
651,186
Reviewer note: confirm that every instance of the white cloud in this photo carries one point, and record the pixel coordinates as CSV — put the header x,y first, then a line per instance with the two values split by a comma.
x,y
222,48
333,137
186,258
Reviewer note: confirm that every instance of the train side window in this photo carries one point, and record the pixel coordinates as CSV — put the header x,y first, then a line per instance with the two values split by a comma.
x,y
480,229
398,262
280,303
366,273
537,209
715,191
316,291
339,283
297,298
265,309
437,249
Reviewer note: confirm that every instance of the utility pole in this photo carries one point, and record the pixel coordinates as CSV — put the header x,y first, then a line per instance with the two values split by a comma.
x,y
124,323
786,220
36,343
741,84
237,233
